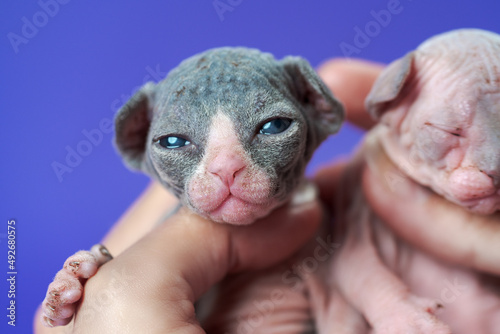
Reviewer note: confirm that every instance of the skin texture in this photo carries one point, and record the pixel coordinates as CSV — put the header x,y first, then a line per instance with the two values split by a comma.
x,y
297,226
158,295
219,102
229,132
397,207
472,240
450,143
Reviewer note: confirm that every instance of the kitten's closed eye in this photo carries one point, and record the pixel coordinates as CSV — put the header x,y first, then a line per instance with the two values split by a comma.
x,y
452,130
435,141
275,126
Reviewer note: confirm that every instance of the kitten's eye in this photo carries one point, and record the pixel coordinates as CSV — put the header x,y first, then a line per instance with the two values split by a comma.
x,y
173,142
277,125
435,141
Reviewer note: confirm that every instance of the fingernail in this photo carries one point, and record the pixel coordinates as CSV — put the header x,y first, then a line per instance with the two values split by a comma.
x,y
104,251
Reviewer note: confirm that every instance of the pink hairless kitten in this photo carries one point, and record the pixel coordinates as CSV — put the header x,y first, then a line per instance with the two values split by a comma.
x,y
439,112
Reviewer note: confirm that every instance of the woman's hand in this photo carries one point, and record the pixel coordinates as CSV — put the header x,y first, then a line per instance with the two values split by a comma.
x,y
430,222
152,286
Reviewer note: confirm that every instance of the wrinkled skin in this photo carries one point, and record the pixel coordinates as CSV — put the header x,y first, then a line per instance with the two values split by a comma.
x,y
378,283
156,295
334,313
229,132
440,124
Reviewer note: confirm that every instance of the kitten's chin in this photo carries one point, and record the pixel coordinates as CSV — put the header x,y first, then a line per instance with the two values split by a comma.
x,y
235,211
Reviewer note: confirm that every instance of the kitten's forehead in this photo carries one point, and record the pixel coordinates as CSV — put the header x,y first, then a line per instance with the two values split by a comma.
x,y
221,77
244,85
223,134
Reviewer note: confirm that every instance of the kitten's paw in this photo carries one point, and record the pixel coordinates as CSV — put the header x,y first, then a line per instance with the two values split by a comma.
x,y
412,316
66,290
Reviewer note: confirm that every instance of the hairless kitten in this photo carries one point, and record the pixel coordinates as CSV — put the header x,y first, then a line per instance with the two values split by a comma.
x,y
439,113
439,118
229,132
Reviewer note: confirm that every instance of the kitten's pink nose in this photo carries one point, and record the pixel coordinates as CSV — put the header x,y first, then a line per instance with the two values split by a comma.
x,y
471,183
226,166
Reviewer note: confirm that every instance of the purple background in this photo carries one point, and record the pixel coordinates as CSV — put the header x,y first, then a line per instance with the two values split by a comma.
x,y
75,69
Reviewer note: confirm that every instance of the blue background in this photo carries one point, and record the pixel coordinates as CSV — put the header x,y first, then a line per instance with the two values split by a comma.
x,y
85,59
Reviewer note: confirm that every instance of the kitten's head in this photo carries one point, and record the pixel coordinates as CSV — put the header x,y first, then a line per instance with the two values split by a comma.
x,y
229,131
440,105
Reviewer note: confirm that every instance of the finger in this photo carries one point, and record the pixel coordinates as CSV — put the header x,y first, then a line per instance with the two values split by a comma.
x,y
148,209
259,302
332,312
428,221
179,260
350,80
279,235
203,252
101,254
152,286
218,249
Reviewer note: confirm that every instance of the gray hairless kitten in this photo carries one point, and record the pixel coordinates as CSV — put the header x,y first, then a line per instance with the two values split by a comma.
x,y
439,112
229,132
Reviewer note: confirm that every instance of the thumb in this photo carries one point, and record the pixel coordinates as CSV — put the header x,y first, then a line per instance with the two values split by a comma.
x,y
279,235
227,248
158,279
427,220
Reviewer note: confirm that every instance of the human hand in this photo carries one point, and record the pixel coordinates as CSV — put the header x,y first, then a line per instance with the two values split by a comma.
x,y
343,74
455,234
351,82
153,285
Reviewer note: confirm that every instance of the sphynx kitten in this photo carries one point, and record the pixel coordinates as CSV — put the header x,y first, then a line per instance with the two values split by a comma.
x,y
229,132
439,113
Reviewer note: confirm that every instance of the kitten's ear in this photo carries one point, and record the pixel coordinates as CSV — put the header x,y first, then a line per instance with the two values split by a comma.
x,y
389,85
132,126
326,111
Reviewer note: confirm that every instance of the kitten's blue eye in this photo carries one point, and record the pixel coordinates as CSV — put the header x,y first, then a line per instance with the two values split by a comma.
x,y
173,142
277,125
